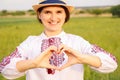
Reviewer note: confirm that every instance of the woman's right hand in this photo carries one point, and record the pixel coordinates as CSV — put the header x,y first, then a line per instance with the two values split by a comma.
x,y
42,61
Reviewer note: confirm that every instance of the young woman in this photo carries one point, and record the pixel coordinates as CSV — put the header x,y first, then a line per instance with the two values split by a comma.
x,y
54,54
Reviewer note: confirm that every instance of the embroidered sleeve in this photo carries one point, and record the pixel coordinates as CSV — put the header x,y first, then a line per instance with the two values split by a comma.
x,y
109,62
8,65
97,49
7,59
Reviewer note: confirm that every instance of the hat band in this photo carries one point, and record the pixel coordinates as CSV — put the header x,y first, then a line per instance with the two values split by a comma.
x,y
52,2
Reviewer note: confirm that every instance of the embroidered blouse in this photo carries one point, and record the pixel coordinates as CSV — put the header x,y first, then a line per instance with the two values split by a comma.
x,y
31,47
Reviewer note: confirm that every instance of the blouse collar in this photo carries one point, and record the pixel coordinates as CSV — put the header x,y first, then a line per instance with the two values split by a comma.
x,y
62,35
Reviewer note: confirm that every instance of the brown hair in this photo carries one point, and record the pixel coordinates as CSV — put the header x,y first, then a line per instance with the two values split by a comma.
x,y
66,11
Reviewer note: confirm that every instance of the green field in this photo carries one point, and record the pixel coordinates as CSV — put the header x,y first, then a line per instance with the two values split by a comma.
x,y
105,32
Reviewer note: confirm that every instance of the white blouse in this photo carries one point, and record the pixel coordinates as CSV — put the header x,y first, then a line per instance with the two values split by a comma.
x,y
31,48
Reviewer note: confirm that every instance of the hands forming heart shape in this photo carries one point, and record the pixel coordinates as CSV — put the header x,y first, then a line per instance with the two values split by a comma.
x,y
43,60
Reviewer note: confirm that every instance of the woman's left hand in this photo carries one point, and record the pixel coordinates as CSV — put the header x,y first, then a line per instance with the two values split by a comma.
x,y
73,56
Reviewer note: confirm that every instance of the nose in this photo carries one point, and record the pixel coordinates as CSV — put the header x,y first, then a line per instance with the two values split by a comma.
x,y
53,17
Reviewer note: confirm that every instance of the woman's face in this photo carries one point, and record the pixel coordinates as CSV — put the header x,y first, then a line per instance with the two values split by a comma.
x,y
53,18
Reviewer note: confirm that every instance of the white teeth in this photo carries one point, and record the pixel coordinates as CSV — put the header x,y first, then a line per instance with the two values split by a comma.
x,y
53,23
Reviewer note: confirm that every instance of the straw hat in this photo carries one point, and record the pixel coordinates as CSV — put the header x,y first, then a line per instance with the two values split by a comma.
x,y
44,3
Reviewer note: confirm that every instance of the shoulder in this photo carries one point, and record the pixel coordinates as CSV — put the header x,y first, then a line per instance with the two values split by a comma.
x,y
31,40
74,37
77,39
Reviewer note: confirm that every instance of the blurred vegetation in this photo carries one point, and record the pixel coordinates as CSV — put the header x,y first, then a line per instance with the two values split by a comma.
x,y
116,11
113,10
17,13
93,11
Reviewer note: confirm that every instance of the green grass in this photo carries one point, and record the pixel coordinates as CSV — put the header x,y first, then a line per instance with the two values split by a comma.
x,y
104,32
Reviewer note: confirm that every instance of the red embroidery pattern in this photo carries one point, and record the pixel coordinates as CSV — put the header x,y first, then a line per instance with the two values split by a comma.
x,y
97,49
56,59
6,60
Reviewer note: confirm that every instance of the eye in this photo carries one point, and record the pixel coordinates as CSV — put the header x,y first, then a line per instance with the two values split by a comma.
x,y
47,12
59,11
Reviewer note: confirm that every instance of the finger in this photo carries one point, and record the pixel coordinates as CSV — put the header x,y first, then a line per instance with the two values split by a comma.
x,y
64,48
60,48
64,66
71,61
53,48
52,67
68,50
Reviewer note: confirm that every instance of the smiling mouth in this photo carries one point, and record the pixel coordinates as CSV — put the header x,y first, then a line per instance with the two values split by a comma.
x,y
53,23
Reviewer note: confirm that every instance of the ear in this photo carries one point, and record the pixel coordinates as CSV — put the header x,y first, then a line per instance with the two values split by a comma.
x,y
39,15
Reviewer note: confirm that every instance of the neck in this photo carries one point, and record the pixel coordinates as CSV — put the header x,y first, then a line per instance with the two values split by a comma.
x,y
52,33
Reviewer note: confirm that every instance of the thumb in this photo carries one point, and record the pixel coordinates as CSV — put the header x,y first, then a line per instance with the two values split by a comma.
x,y
53,67
64,66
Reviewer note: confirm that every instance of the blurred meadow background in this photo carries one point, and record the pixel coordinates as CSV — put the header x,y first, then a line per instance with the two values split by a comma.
x,y
99,25
103,31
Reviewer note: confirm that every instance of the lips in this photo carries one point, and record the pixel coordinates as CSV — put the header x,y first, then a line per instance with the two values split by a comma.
x,y
54,21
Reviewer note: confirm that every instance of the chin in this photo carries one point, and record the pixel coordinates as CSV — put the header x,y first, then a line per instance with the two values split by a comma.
x,y
54,30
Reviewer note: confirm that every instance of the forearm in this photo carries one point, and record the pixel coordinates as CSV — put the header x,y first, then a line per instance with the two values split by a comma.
x,y
86,58
90,60
24,65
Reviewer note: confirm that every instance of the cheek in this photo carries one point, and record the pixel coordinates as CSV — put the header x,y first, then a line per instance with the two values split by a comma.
x,y
44,18
63,17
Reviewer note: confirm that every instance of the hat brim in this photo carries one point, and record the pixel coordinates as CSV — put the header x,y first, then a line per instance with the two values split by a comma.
x,y
36,7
